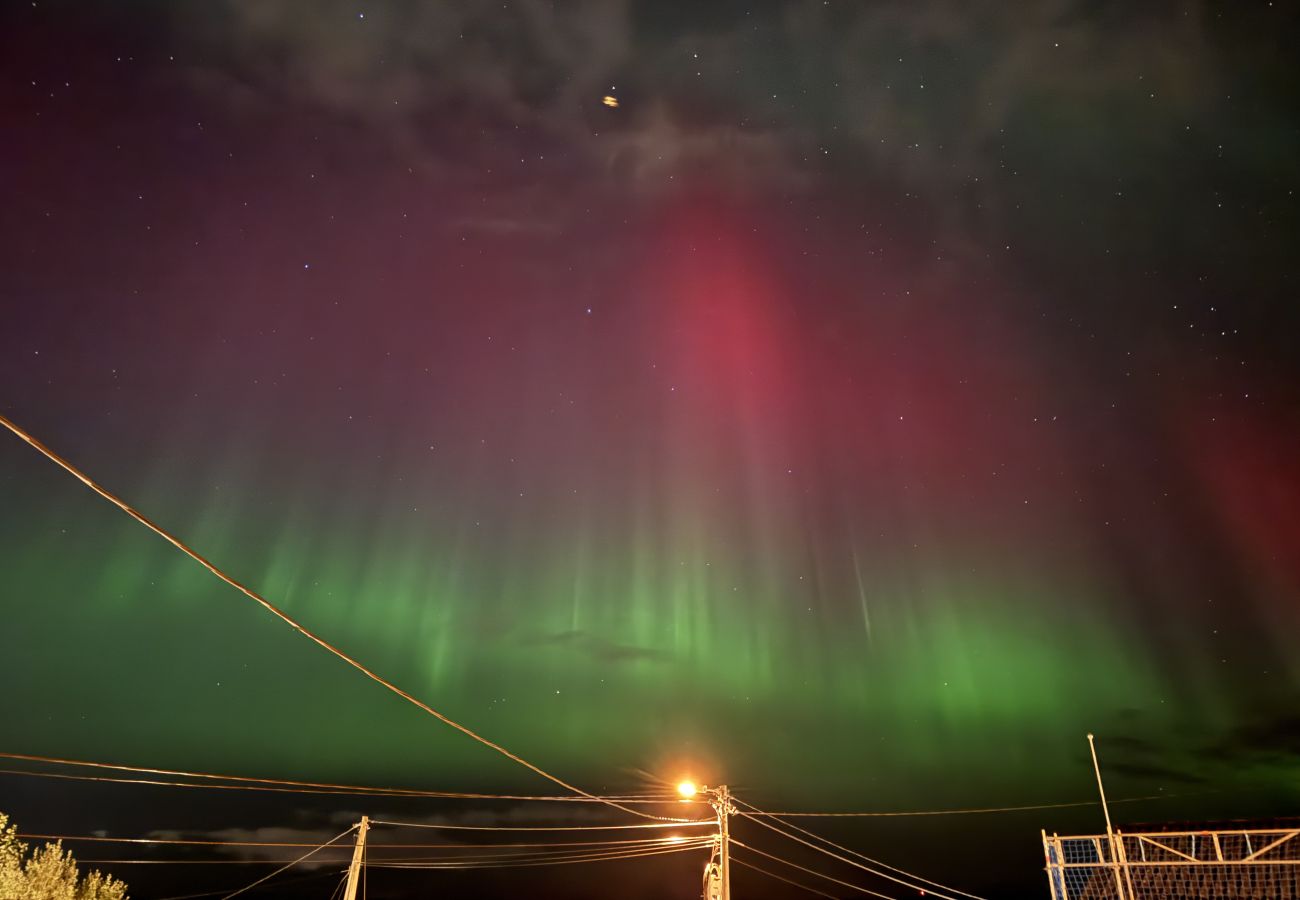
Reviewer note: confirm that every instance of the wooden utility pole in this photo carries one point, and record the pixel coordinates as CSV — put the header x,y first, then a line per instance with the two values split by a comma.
x,y
722,804
358,854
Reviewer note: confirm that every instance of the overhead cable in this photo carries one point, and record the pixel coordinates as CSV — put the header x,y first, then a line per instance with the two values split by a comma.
x,y
544,861
952,812
449,827
866,868
540,853
245,782
293,623
166,842
791,881
304,857
286,881
794,865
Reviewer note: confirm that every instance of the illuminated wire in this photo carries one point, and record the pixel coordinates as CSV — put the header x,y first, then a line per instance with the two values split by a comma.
x,y
811,890
877,862
853,853
189,862
847,884
477,860
305,856
188,784
545,861
859,865
613,843
286,881
293,623
161,841
207,843
951,812
555,852
676,824
248,783
338,888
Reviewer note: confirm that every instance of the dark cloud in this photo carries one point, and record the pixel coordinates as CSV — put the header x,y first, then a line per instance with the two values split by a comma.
x,y
1153,772
1013,120
1270,739
336,854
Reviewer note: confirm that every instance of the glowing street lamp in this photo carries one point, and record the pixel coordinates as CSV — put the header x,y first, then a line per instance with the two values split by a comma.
x,y
687,790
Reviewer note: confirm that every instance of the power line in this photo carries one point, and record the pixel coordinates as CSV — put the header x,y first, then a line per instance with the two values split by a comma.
x,y
166,842
63,776
876,861
187,862
555,852
305,856
290,621
851,862
847,884
853,853
441,826
544,861
952,812
287,881
484,860
769,874
245,782
447,795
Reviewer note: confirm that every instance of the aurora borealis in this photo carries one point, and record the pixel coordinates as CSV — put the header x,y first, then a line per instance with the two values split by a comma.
x,y
874,401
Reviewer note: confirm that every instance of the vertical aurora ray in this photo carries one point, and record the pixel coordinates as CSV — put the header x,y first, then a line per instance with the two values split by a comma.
x,y
749,522
736,509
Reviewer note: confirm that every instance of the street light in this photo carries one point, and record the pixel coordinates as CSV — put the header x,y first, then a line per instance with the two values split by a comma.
x,y
687,789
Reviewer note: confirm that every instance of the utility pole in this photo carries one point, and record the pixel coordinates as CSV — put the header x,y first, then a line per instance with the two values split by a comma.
x,y
720,799
717,872
358,854
1116,851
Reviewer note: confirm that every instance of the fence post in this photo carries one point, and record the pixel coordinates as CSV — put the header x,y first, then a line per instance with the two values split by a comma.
x,y
1123,862
1051,869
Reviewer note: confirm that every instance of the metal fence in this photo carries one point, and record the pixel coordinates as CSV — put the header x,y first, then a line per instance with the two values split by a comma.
x,y
1190,865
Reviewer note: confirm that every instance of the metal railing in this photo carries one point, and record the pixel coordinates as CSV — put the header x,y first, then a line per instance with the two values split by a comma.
x,y
1190,865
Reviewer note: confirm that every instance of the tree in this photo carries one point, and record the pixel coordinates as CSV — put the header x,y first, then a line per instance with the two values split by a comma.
x,y
48,873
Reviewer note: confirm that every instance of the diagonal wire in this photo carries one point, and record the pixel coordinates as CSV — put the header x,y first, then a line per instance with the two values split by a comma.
x,y
293,623
306,855
869,859
769,874
338,888
852,862
847,884
222,891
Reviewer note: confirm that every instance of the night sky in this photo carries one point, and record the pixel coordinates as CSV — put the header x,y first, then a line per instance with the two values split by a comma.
x,y
871,401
